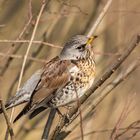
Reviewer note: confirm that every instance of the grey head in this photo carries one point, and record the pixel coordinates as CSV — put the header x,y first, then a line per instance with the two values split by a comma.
x,y
76,48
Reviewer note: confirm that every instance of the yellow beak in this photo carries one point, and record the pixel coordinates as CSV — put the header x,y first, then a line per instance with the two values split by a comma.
x,y
90,40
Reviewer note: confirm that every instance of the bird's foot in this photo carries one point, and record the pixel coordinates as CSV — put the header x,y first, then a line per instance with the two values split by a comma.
x,y
65,117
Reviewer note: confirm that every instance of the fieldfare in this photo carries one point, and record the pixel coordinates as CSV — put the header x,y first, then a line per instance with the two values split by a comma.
x,y
61,81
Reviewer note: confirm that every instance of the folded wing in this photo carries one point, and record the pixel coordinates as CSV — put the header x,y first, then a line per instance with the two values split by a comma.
x,y
55,75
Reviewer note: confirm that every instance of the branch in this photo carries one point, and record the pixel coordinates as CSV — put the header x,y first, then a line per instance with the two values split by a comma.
x,y
28,49
132,126
24,131
55,46
99,82
21,57
12,49
99,19
9,125
28,41
124,114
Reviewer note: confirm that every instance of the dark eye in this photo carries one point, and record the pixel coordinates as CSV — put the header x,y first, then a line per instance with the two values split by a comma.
x,y
81,47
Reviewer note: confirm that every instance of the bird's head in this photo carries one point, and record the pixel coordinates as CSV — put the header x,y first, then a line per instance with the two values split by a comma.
x,y
76,48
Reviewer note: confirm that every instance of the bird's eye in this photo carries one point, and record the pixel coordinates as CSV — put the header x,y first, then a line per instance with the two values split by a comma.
x,y
81,47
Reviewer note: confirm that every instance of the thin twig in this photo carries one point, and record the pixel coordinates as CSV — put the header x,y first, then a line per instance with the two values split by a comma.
x,y
23,130
21,57
2,25
54,46
9,125
29,21
28,41
123,116
28,49
80,113
132,126
13,50
100,17
28,64
103,78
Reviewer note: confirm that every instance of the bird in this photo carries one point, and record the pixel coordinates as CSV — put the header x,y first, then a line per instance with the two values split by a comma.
x,y
61,81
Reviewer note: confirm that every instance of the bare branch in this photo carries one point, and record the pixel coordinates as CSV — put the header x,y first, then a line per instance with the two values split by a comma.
x,y
9,125
100,17
23,130
132,126
21,57
55,46
12,49
28,49
124,114
27,41
29,21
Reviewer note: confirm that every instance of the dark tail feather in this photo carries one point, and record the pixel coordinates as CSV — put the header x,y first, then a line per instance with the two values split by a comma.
x,y
36,112
23,112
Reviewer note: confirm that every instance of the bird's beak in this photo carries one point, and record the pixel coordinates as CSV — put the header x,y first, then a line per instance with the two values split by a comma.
x,y
90,40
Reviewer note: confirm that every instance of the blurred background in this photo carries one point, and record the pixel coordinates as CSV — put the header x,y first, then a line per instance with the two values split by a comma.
x,y
61,20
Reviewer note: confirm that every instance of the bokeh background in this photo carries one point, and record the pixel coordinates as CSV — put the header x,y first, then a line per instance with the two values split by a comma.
x,y
61,20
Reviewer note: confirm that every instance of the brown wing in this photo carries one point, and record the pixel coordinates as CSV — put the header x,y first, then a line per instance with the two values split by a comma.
x,y
55,76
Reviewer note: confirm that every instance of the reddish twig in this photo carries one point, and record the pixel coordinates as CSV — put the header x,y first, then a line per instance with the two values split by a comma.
x,y
122,117
133,126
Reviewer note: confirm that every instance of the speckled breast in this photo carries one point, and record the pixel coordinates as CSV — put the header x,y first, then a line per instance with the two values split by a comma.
x,y
82,77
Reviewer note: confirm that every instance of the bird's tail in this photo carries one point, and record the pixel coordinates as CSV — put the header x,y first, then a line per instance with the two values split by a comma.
x,y
36,112
23,112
